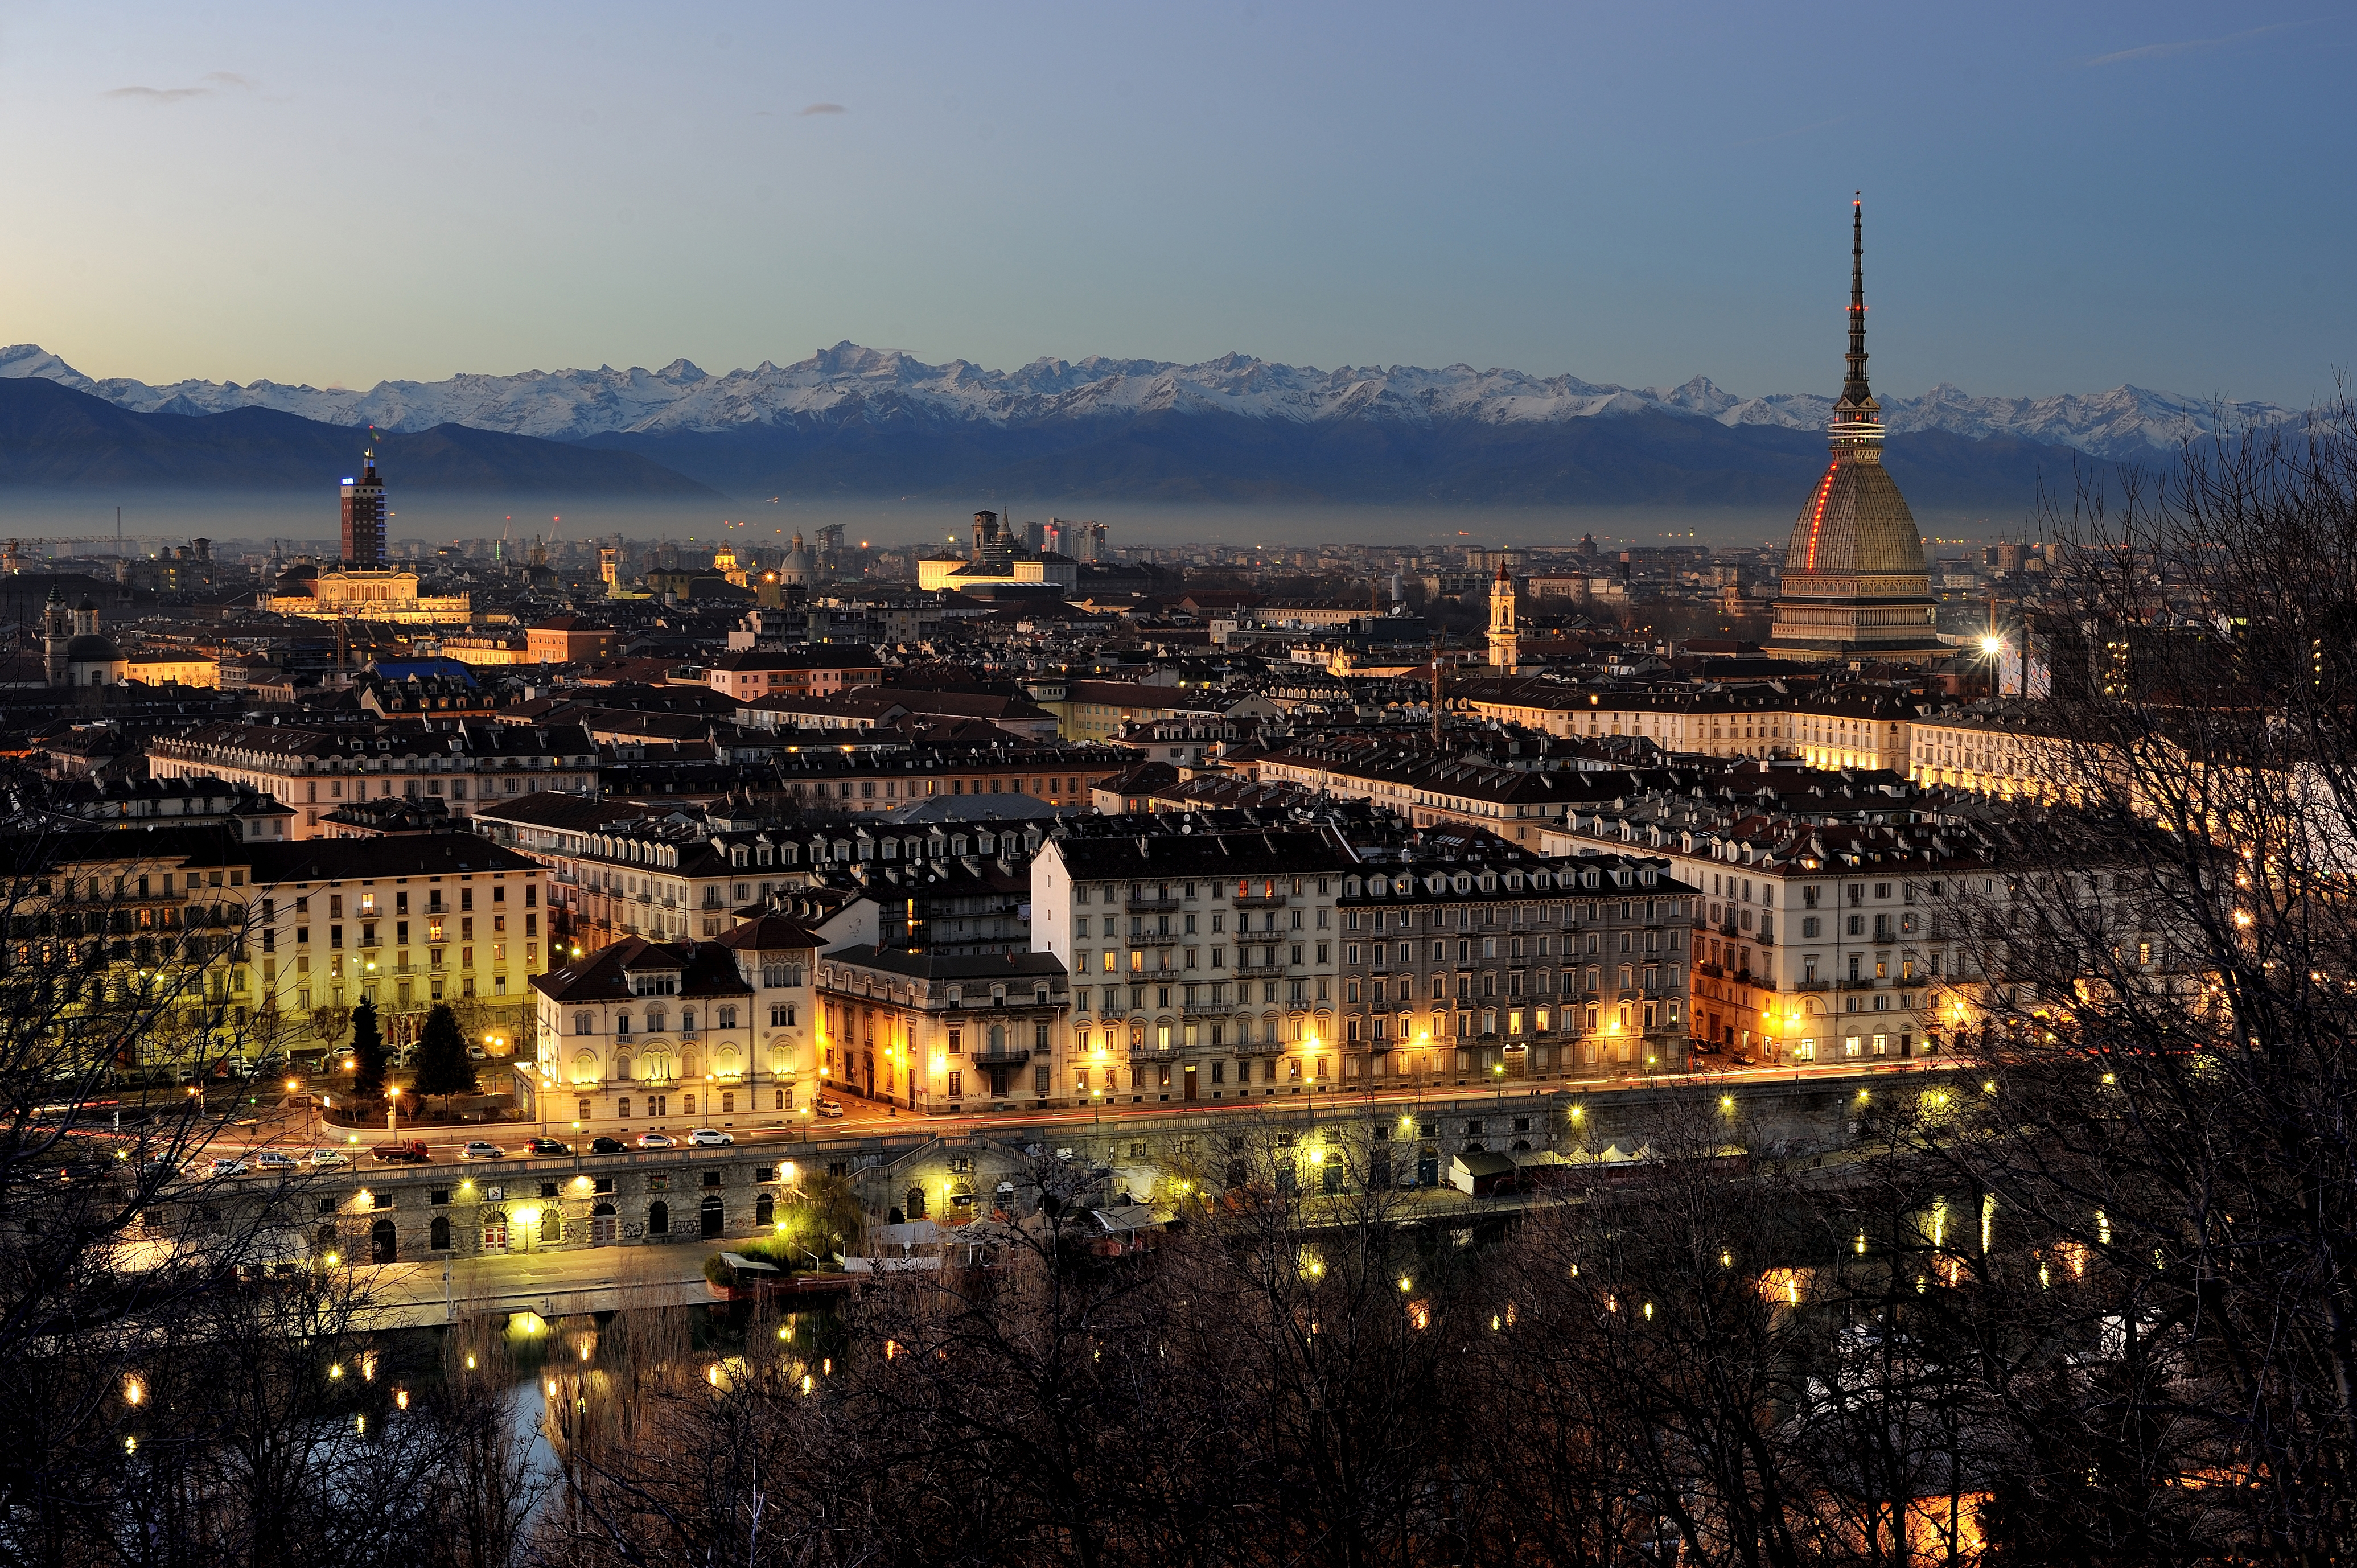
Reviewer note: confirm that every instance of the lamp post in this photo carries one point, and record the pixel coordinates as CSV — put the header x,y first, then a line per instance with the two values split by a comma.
x,y
391,1110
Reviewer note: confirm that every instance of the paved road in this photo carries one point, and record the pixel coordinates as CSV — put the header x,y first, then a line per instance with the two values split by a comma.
x,y
298,1129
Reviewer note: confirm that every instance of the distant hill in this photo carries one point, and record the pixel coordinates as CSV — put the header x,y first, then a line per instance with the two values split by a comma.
x,y
1649,457
55,437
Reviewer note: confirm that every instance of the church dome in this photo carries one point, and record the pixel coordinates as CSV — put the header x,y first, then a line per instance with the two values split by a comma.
x,y
1855,525
93,649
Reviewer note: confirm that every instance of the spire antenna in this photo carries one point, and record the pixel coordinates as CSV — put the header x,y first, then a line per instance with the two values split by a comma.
x,y
1856,406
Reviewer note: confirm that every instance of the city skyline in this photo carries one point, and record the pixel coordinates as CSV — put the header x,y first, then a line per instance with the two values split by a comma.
x,y
1634,199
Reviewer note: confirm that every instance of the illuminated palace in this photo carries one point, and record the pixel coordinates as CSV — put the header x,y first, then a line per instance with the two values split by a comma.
x,y
1855,582
363,587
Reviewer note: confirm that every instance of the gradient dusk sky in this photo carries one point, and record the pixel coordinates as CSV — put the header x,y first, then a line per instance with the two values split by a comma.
x,y
2059,197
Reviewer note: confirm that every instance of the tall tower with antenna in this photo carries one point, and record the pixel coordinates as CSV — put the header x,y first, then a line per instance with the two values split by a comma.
x,y
1856,585
364,517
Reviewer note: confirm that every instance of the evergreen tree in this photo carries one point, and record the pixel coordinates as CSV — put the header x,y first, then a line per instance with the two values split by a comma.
x,y
367,1050
442,1065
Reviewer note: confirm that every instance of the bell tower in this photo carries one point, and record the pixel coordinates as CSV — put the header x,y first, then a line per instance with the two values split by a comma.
x,y
1506,642
57,633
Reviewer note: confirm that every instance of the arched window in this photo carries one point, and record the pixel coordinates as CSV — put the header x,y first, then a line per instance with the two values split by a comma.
x,y
382,1244
765,1211
692,1062
623,1023
585,1023
997,1039
495,1232
654,1020
658,1219
601,1224
710,1216
439,1237
687,1020
915,1209
622,1067
551,1223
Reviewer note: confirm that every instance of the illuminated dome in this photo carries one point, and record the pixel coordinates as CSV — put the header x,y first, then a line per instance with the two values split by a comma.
x,y
1854,583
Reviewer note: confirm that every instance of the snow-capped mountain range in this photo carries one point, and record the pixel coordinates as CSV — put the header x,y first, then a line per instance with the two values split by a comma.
x,y
850,383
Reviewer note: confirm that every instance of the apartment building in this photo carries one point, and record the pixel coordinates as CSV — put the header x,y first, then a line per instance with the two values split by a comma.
x,y
313,767
944,1032
1514,799
1710,720
1201,957
817,670
2003,752
1467,959
650,1036
1814,942
405,922
282,940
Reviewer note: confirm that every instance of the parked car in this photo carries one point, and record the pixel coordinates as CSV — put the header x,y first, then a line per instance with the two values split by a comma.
x,y
547,1146
477,1054
830,1107
657,1141
710,1138
403,1151
277,1160
229,1167
330,1157
482,1149
605,1145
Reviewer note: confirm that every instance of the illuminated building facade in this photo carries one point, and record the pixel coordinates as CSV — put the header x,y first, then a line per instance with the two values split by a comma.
x,y
1494,965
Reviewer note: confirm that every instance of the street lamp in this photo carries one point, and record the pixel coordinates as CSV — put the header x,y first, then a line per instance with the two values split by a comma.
x,y
391,1108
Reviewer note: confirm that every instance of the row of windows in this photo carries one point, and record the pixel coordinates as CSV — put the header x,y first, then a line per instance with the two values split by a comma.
x,y
724,1018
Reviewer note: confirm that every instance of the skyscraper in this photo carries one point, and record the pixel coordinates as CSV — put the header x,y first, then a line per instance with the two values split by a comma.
x,y
1856,585
364,517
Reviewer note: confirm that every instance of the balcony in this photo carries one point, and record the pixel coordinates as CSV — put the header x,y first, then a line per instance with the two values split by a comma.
x,y
1812,985
1012,1056
1155,906
1261,901
1858,984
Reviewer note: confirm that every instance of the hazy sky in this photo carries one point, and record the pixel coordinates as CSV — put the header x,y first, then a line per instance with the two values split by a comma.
x,y
2059,197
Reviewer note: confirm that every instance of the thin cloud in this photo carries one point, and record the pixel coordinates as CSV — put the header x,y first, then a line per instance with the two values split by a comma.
x,y
826,109
2196,45
213,81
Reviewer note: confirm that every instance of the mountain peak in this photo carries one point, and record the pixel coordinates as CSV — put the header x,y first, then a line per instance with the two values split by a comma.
x,y
849,379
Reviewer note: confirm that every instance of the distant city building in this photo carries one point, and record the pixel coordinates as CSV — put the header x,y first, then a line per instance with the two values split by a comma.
x,y
1506,643
72,651
997,559
1856,585
365,516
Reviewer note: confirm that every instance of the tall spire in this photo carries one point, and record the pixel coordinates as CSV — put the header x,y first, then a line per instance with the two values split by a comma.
x,y
1856,406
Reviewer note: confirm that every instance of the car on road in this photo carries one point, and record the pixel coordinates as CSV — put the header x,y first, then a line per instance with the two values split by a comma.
x,y
606,1145
657,1141
477,1054
229,1167
330,1157
482,1149
277,1160
403,1151
547,1146
829,1108
710,1138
